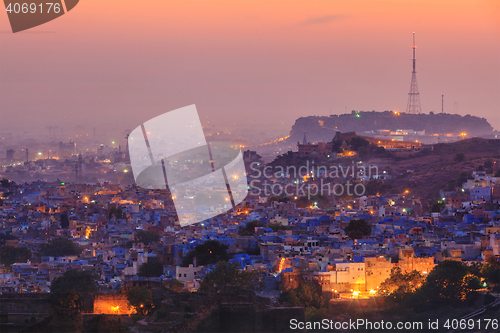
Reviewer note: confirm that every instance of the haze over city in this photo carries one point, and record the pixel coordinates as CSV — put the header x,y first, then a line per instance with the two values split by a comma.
x,y
114,64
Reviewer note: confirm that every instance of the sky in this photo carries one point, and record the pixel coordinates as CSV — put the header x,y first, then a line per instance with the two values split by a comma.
x,y
248,62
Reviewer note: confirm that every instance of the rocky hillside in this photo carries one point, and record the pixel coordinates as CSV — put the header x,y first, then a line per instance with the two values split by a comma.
x,y
324,128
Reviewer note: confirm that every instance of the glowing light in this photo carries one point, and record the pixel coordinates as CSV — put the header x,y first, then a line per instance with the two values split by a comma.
x,y
125,170
280,266
112,142
39,153
357,115
407,191
372,291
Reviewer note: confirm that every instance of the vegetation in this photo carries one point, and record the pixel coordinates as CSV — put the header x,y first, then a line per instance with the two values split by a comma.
x,y
308,201
249,228
64,220
117,213
229,274
491,271
437,206
376,186
307,296
73,289
449,283
277,226
152,268
140,300
59,247
460,157
209,252
463,178
358,229
5,237
488,164
146,237
358,142
10,254
5,183
399,285
174,285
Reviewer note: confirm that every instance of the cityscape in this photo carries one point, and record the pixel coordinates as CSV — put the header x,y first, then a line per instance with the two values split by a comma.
x,y
190,217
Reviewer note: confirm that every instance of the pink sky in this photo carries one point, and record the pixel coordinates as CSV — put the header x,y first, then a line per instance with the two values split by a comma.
x,y
249,61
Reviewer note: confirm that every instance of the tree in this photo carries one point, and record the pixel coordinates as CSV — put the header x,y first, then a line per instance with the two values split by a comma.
x,y
5,183
229,274
358,142
73,289
463,178
491,271
59,247
358,229
10,255
460,157
174,285
277,226
249,228
146,237
307,201
488,164
140,300
152,268
206,253
363,153
399,284
306,295
64,220
5,237
449,283
117,213
437,206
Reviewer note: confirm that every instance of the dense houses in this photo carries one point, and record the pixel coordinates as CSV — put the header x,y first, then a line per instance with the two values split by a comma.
x,y
310,245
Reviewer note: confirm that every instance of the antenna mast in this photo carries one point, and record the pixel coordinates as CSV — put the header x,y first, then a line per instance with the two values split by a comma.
x,y
414,96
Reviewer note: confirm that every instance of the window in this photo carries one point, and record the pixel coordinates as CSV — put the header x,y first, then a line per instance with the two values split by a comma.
x,y
180,275
184,275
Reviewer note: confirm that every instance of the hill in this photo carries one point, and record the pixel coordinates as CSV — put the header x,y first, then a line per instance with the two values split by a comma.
x,y
436,169
319,128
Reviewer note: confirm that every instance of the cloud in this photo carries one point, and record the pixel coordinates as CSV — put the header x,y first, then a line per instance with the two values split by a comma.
x,y
321,19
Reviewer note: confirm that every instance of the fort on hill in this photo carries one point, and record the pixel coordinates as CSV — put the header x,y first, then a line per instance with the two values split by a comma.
x,y
391,124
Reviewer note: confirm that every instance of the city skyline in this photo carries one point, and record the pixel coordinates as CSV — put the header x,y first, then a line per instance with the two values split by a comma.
x,y
121,62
